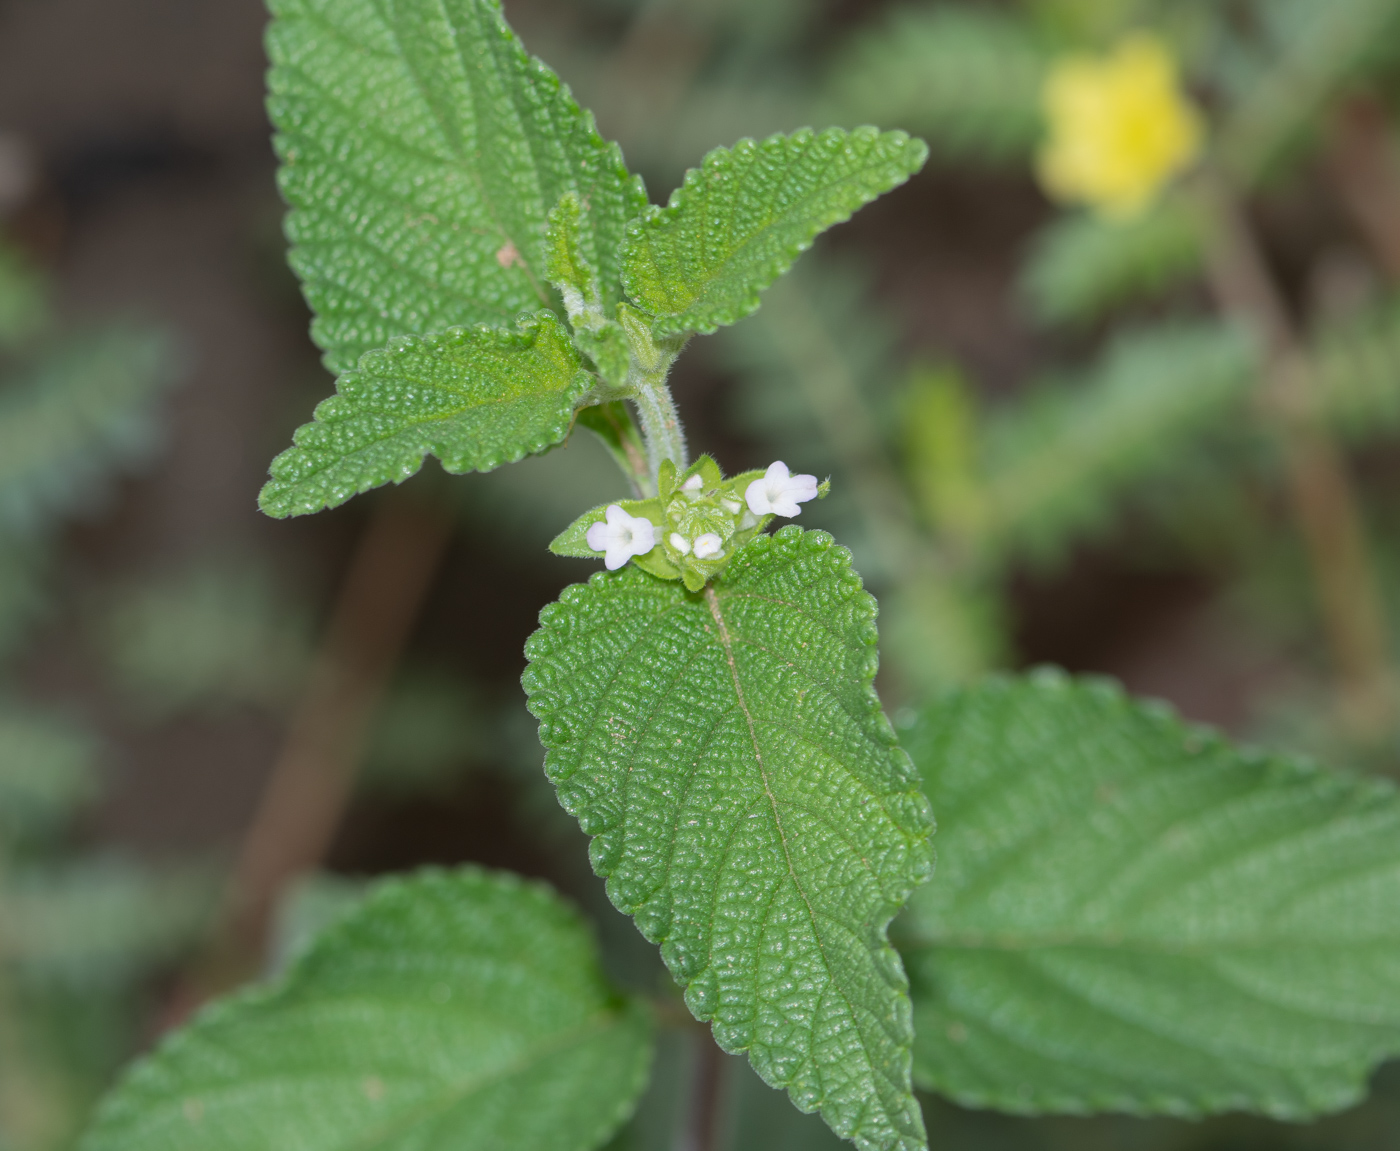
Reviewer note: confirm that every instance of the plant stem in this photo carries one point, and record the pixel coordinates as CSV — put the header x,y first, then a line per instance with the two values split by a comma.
x,y
702,1128
383,591
661,423
1324,502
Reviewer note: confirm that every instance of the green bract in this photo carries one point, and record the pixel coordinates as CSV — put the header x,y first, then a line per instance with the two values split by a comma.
x,y
473,397
741,219
422,149
462,1010
751,809
1133,915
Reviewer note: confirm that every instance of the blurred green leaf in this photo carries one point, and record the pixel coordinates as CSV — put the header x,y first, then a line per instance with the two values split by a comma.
x,y
81,410
1081,265
475,398
965,76
1054,464
422,148
24,305
1131,914
1356,372
461,1009
749,809
46,770
739,221
1325,46
215,634
99,920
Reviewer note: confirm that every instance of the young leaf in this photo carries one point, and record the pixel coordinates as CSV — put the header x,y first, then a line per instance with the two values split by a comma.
x,y
475,398
751,809
741,219
454,1009
1133,915
422,149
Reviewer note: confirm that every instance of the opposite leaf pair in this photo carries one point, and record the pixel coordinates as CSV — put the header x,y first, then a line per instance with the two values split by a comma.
x,y
445,186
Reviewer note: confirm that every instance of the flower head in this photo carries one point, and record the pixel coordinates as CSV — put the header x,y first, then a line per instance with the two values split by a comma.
x,y
779,492
621,536
1120,127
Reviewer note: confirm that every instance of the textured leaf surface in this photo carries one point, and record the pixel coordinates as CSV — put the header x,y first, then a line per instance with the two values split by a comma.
x,y
475,398
422,150
741,219
1130,914
751,809
460,1010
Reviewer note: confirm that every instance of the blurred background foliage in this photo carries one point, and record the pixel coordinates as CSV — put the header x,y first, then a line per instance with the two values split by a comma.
x,y
1158,444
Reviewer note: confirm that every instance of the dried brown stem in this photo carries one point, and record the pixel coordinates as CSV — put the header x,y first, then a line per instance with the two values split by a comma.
x,y
1320,490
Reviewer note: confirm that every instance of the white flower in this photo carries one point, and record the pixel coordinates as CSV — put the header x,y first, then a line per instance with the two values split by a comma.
x,y
708,546
680,543
779,492
621,537
694,484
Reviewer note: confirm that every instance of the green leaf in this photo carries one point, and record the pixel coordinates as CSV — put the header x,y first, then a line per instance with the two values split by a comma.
x,y
566,263
751,809
75,415
100,920
1082,265
1356,372
967,77
46,770
613,424
24,304
740,220
1054,465
1133,915
1273,117
475,398
457,1009
422,149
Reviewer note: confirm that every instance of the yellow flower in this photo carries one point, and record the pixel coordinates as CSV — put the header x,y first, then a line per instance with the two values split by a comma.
x,y
1120,127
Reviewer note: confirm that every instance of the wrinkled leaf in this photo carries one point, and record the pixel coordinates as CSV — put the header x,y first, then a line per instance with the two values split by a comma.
x,y
1133,915
742,218
461,1010
475,398
750,809
422,149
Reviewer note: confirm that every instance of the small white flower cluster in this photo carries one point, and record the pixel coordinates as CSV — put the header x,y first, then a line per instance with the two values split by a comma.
x,y
621,536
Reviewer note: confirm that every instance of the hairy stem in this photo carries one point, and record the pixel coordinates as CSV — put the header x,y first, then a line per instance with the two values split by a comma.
x,y
661,423
1320,490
